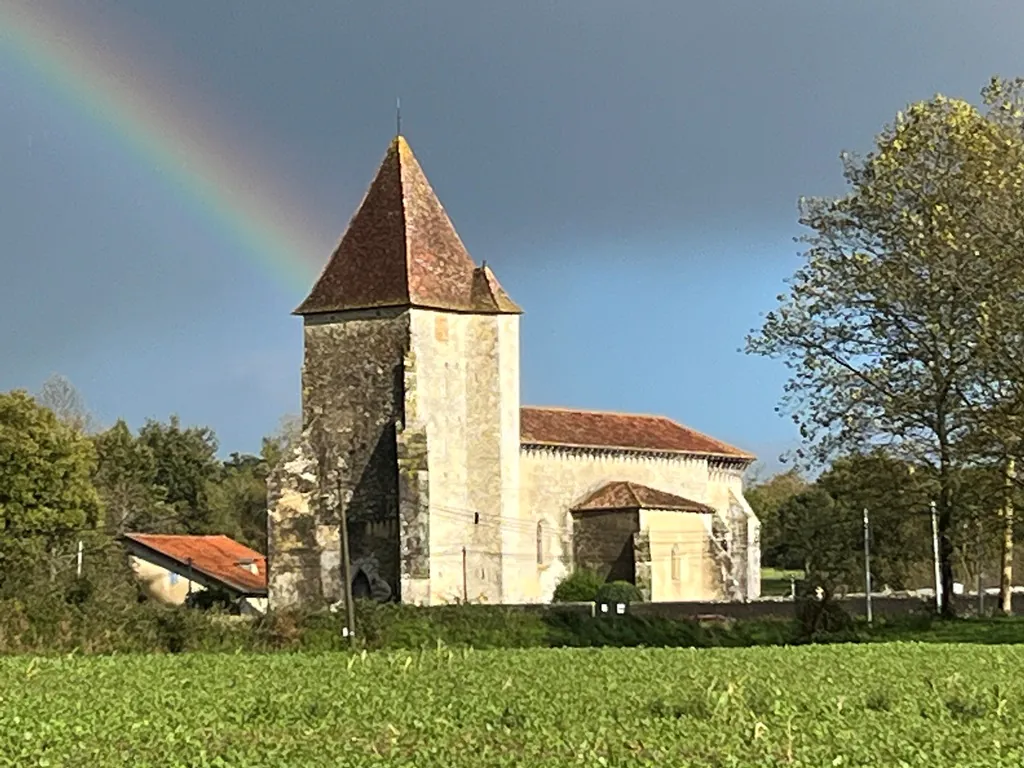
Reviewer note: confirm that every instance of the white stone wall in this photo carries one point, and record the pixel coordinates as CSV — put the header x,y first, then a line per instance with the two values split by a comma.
x,y
516,531
467,396
554,480
685,537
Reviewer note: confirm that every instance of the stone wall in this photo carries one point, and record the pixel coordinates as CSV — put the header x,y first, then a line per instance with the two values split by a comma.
x,y
555,479
352,401
603,541
465,399
685,538
744,529
294,572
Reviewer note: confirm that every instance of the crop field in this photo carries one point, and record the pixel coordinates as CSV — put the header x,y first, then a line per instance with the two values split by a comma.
x,y
879,705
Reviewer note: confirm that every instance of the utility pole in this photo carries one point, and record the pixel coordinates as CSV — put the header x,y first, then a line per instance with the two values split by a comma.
x,y
346,572
867,563
1006,577
935,553
78,570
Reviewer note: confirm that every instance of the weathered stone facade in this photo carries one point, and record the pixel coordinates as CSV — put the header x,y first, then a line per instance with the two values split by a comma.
x,y
413,429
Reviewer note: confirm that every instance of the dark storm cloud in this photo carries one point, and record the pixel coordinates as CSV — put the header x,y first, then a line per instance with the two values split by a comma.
x,y
541,121
573,132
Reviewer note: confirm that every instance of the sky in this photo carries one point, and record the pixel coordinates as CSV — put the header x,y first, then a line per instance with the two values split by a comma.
x,y
173,176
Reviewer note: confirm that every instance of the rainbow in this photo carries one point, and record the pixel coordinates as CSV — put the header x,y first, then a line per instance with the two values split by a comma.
x,y
152,123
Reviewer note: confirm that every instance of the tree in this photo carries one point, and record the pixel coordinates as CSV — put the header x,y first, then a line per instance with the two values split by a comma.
x,y
766,498
185,465
896,494
824,539
238,500
60,396
46,490
280,443
998,402
883,326
126,480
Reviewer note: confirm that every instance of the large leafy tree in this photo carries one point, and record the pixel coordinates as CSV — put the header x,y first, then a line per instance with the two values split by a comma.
x,y
126,478
238,500
185,460
46,490
883,325
822,541
766,499
895,494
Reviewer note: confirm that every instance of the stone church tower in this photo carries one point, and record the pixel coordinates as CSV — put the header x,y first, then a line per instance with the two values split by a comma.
x,y
410,406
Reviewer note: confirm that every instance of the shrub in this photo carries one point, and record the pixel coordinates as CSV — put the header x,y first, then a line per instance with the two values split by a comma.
x,y
207,599
822,617
619,592
581,586
393,625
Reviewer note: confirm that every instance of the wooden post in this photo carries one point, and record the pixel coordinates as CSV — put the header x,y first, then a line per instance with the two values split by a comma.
x,y
346,572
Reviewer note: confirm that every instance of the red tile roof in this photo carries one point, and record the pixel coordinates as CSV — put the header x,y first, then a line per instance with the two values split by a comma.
x,y
595,429
625,495
401,250
217,557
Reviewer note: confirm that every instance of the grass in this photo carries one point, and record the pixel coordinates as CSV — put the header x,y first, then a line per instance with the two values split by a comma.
x,y
777,582
906,704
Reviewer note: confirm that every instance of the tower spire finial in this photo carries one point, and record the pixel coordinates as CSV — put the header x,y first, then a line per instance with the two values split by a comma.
x,y
398,116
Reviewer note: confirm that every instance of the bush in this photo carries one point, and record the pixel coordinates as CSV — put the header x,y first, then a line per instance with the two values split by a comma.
x,y
393,625
580,586
822,617
619,592
210,599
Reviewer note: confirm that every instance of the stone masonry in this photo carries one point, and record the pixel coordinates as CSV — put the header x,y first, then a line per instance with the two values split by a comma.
x,y
413,431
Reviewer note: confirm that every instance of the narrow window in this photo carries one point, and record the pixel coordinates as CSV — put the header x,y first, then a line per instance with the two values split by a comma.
x,y
540,543
676,565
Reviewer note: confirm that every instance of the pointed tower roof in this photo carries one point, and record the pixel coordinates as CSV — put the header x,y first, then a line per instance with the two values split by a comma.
x,y
401,250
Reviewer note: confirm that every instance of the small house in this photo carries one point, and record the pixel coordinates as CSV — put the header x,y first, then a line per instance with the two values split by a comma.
x,y
172,568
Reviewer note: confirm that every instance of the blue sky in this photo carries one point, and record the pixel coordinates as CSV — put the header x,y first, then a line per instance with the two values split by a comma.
x,y
630,171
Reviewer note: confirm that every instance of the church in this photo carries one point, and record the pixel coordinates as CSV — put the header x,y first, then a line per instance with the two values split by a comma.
x,y
451,489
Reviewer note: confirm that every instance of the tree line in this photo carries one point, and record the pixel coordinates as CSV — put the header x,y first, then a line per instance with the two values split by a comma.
x,y
64,480
817,526
903,325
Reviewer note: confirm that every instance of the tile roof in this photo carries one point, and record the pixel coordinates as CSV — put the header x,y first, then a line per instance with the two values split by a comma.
x,y
596,429
401,250
217,557
625,495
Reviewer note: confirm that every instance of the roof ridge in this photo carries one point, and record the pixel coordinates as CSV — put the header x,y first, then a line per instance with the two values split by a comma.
x,y
497,295
596,412
392,147
634,494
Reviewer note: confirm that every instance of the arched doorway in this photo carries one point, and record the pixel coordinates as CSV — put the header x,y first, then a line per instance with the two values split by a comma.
x,y
361,586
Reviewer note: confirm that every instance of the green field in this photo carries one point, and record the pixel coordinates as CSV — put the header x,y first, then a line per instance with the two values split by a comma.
x,y
879,705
